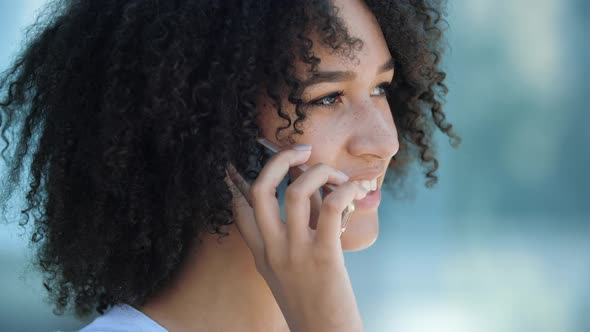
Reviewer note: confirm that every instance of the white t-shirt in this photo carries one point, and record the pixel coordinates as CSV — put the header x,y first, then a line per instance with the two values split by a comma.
x,y
123,318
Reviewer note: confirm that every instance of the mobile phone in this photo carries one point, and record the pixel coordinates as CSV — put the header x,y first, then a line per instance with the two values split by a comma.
x,y
348,211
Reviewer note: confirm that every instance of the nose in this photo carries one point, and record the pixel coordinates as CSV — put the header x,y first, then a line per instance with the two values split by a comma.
x,y
374,133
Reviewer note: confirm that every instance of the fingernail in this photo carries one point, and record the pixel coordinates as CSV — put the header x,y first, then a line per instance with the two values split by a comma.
x,y
346,177
302,147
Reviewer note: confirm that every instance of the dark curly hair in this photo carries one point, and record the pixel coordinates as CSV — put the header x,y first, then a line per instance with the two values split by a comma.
x,y
134,108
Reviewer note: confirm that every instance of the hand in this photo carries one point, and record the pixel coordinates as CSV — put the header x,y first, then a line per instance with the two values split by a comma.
x,y
304,268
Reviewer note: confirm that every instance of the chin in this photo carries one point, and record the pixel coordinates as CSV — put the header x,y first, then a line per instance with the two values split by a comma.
x,y
361,232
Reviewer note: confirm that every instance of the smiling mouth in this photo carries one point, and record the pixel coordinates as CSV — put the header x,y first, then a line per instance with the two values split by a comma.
x,y
370,185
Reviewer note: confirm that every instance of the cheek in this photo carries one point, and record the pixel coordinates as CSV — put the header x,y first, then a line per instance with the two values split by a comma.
x,y
266,122
269,121
323,132
327,138
325,154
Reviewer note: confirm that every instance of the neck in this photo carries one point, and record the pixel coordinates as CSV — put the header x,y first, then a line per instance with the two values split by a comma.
x,y
217,289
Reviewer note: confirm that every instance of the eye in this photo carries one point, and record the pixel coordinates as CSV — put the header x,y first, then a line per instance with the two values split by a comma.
x,y
380,90
327,101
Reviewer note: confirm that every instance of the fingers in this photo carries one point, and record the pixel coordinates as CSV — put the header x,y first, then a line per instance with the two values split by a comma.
x,y
265,204
329,221
314,212
298,198
237,184
242,210
257,210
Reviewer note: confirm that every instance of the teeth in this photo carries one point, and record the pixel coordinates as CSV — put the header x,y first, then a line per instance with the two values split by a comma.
x,y
369,185
366,184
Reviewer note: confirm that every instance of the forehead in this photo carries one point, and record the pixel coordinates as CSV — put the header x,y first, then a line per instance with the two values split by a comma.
x,y
362,24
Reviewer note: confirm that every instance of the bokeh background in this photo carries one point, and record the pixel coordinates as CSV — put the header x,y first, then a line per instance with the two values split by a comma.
x,y
501,243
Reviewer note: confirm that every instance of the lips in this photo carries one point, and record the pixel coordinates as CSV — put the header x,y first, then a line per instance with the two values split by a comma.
x,y
370,201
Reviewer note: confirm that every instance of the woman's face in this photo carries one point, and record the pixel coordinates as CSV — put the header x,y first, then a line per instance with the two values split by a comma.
x,y
355,131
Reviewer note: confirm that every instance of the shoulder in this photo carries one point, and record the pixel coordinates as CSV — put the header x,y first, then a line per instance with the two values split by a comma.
x,y
123,318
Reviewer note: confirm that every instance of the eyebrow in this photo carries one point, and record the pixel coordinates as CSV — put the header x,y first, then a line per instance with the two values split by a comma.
x,y
340,76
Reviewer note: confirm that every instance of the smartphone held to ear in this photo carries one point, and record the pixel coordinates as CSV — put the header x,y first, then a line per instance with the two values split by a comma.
x,y
346,214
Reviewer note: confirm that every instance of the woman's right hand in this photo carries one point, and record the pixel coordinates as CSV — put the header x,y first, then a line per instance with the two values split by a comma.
x,y
304,268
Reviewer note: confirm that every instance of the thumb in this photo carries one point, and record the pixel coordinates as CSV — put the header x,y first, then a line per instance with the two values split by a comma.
x,y
241,208
239,187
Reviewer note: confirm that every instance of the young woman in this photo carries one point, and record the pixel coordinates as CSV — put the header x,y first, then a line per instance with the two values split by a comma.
x,y
145,117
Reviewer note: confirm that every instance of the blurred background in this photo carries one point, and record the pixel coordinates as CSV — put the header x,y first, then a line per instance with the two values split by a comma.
x,y
501,243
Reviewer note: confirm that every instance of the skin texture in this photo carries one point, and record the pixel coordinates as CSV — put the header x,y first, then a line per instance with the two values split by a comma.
x,y
125,115
359,134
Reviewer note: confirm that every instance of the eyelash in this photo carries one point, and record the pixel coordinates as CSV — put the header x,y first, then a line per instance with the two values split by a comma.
x,y
334,95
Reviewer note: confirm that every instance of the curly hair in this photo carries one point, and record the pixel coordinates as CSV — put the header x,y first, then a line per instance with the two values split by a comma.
x,y
134,108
